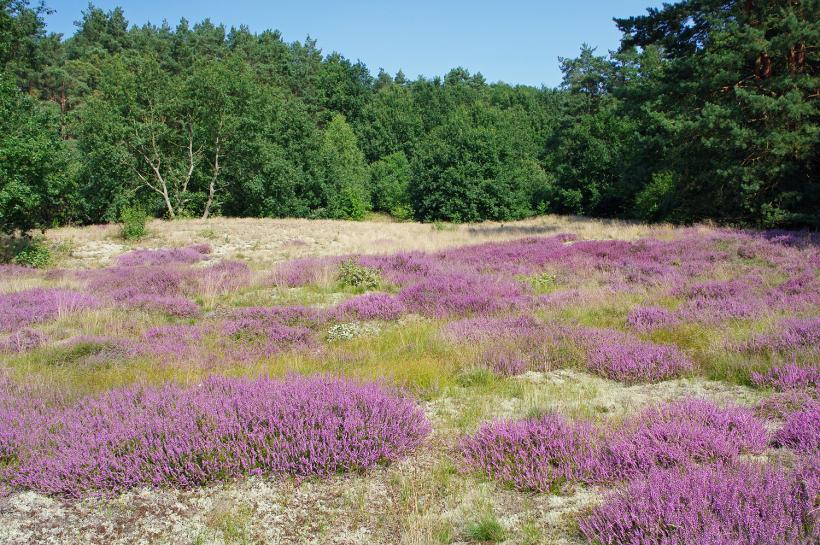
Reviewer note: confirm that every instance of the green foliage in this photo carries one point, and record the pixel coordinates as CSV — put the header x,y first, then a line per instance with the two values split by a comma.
x,y
654,200
474,167
35,189
390,185
358,277
345,192
486,528
543,283
133,220
34,253
708,110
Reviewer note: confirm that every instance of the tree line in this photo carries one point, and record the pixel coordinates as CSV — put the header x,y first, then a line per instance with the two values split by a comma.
x,y
708,110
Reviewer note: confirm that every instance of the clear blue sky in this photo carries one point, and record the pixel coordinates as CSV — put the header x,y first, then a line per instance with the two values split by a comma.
x,y
517,41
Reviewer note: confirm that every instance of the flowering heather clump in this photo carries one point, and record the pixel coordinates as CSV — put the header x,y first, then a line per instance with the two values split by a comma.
x,y
621,357
301,272
16,271
719,505
37,305
788,377
539,454
483,329
173,305
22,340
782,404
221,277
717,289
710,310
649,318
290,315
165,256
370,306
797,292
174,341
120,283
459,294
801,431
794,334
253,338
681,433
222,429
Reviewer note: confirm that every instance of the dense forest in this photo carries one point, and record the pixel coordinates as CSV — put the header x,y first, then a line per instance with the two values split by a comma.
x,y
708,110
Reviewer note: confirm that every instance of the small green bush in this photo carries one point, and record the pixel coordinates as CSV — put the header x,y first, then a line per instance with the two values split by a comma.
x,y
359,277
486,529
543,283
35,254
133,223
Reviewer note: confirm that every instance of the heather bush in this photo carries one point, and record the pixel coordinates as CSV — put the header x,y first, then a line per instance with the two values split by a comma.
x,y
682,433
717,505
221,429
37,305
16,271
370,306
801,431
793,334
165,256
649,318
543,454
301,272
176,342
787,377
221,277
249,337
289,315
22,340
93,349
172,305
781,404
460,294
491,329
618,356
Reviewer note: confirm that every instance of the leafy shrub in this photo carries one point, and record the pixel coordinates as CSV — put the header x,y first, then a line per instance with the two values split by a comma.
x,y
718,505
359,277
543,283
389,180
654,201
34,253
133,220
222,429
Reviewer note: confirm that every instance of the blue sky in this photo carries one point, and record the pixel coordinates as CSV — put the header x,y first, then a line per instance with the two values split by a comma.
x,y
517,41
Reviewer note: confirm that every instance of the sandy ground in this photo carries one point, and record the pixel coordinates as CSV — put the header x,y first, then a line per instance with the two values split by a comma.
x,y
270,240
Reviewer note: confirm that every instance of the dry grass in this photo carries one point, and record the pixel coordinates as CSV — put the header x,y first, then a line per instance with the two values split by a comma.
x,y
270,240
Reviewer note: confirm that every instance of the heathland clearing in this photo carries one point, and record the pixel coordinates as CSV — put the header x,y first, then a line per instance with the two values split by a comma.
x,y
490,382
